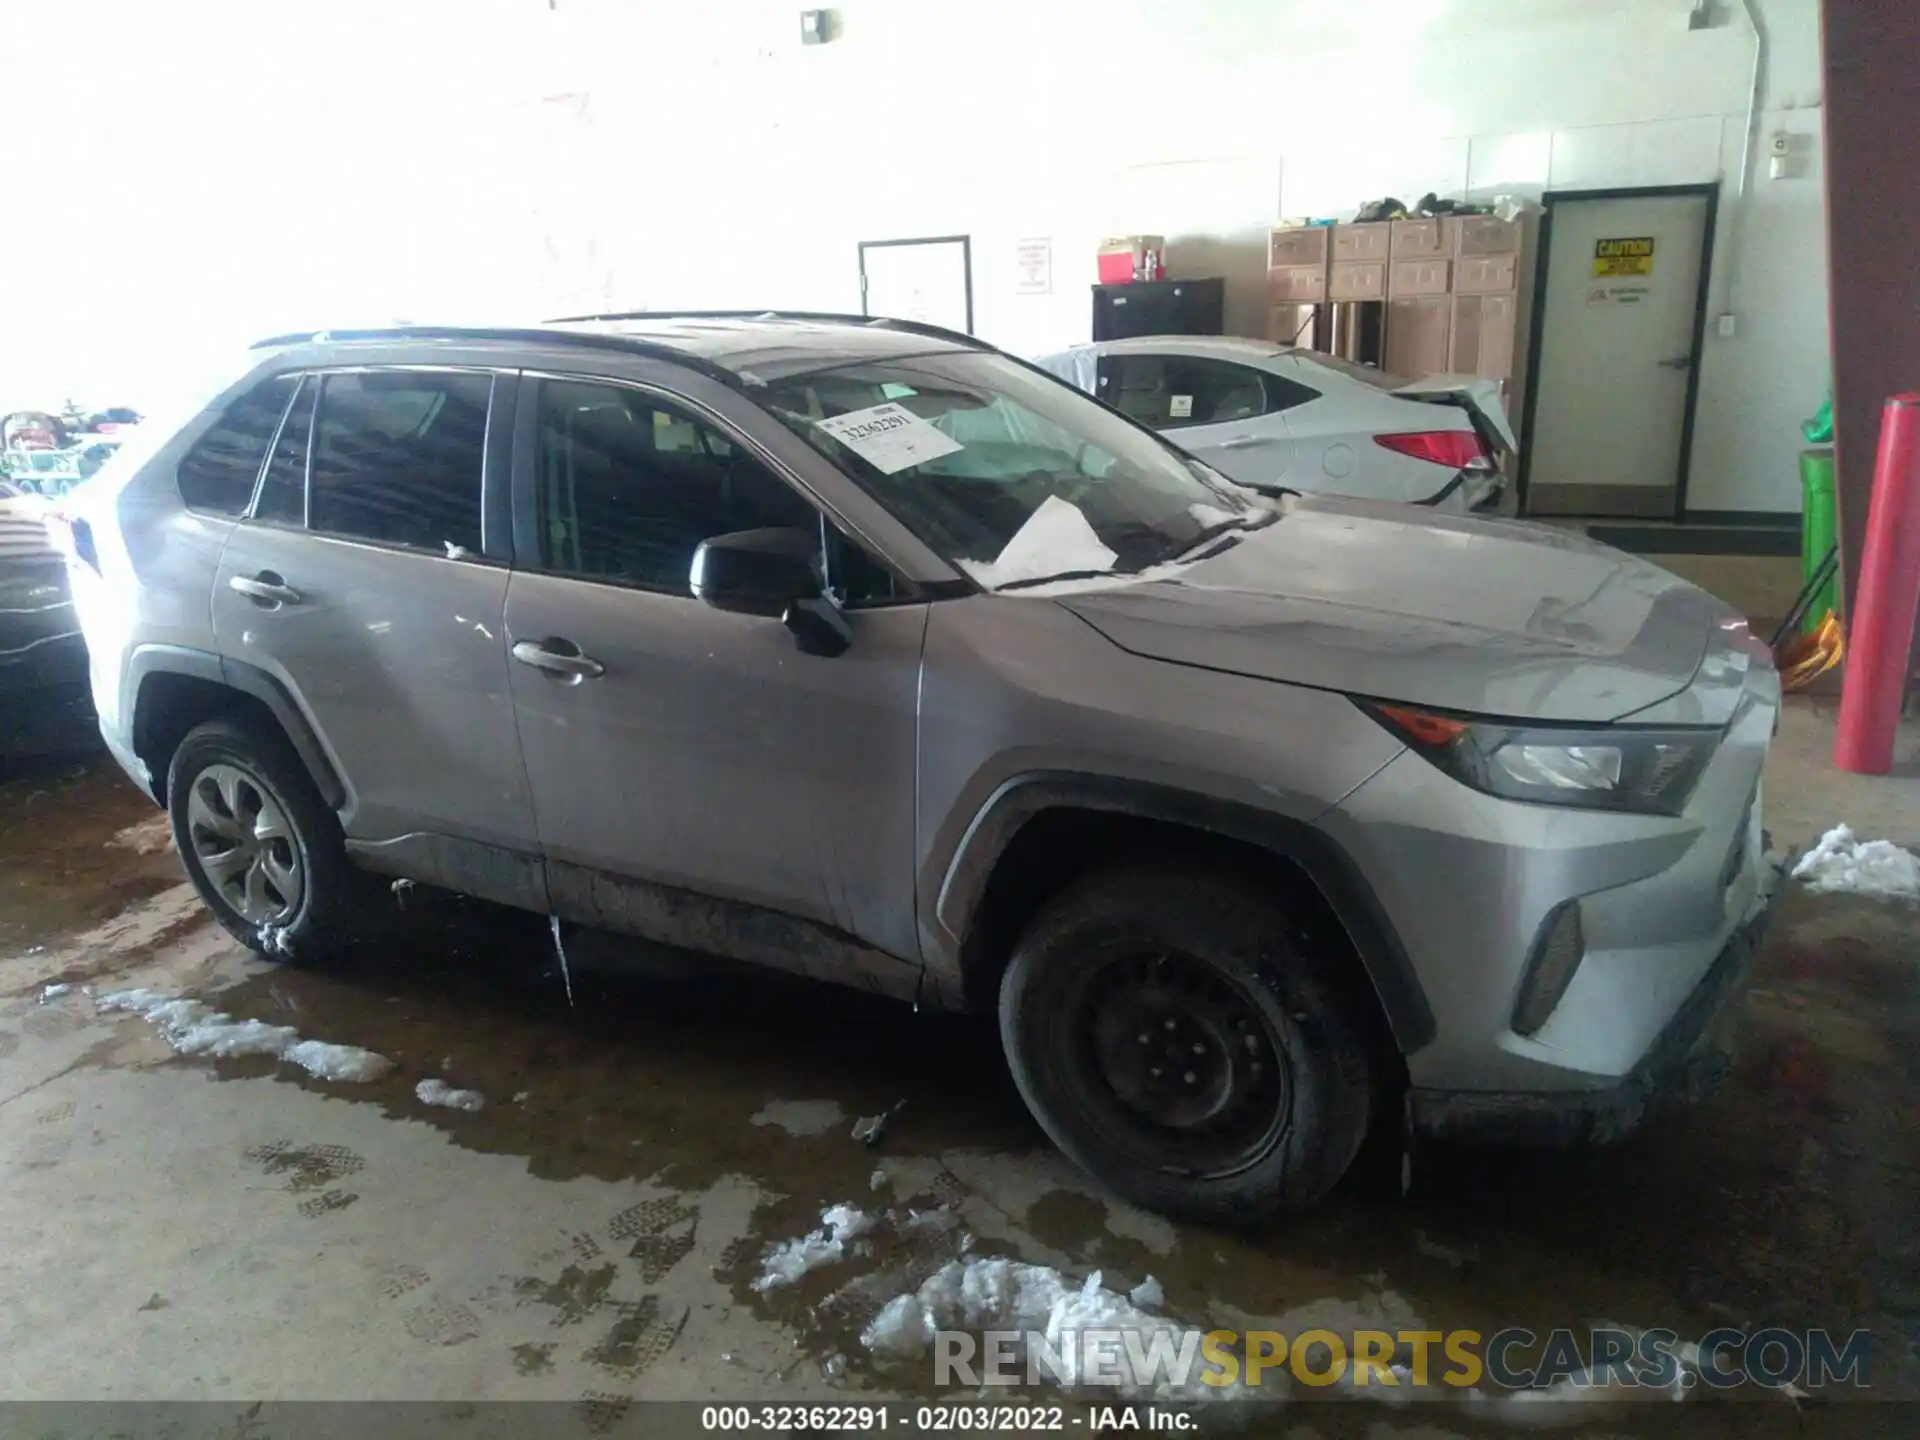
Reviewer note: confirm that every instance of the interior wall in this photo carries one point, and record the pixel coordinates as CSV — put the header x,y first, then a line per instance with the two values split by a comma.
x,y
508,158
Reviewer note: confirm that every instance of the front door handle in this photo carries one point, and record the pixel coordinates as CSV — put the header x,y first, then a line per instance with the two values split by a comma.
x,y
558,657
1678,362
1243,442
265,589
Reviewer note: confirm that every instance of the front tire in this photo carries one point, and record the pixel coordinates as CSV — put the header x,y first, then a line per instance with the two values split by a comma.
x,y
258,843
1185,1042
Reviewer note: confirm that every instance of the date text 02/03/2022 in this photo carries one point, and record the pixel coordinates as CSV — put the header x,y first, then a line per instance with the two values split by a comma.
x,y
972,1419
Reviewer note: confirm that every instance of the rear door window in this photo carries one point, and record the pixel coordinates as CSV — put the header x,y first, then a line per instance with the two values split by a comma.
x,y
217,475
398,459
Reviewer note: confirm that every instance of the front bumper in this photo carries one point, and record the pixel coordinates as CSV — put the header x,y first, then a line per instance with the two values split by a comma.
x,y
1682,1068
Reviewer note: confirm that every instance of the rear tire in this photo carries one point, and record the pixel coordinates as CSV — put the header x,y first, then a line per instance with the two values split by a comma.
x,y
1187,1044
258,842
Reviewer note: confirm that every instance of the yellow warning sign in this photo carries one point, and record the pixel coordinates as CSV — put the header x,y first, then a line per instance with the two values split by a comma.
x,y
1628,255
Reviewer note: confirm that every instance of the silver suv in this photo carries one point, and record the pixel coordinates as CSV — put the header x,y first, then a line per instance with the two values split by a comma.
x,y
862,649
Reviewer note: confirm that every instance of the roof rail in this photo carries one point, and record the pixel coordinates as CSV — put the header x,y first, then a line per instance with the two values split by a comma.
x,y
631,344
875,322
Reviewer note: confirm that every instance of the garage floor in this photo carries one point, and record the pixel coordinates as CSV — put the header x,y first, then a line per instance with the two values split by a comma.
x,y
233,1229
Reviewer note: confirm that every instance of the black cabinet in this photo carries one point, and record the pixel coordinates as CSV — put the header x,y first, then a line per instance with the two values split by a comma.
x,y
1159,307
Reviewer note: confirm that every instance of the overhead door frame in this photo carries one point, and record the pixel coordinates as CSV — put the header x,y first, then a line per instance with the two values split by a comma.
x,y
965,242
1710,191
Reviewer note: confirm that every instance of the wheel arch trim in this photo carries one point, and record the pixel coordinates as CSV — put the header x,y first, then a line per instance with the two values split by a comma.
x,y
250,680
1325,863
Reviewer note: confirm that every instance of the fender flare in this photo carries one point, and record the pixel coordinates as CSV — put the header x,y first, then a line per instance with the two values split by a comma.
x,y
249,680
1325,864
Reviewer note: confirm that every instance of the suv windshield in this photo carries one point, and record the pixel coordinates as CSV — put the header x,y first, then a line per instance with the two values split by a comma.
x,y
1014,476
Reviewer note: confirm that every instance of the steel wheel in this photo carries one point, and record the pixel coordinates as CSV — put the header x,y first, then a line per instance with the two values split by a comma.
x,y
1177,1062
244,843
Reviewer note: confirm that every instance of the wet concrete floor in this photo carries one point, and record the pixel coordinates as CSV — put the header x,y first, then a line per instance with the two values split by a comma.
x,y
592,1234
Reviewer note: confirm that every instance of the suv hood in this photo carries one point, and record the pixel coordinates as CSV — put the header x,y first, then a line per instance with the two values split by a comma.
x,y
1489,617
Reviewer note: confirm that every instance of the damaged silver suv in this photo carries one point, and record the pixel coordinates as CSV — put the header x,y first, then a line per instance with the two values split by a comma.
x,y
862,649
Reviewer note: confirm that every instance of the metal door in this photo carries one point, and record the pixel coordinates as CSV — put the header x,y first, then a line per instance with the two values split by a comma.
x,y
1613,390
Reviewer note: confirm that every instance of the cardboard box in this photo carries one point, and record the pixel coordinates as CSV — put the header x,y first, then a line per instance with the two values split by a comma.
x,y
1416,339
1411,278
1296,245
1128,258
1485,274
1297,284
1485,235
1290,324
1422,239
1483,335
1357,280
1362,242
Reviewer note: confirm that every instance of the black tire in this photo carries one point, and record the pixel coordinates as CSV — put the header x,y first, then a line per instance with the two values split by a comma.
x,y
1243,982
319,920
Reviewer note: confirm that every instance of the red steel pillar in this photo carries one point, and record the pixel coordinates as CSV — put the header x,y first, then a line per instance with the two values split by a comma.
x,y
1881,623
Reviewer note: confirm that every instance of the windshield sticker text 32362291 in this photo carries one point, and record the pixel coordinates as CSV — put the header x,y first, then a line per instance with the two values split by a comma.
x,y
889,437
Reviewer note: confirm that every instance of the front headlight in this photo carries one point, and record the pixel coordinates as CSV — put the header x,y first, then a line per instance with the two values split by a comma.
x,y
1609,768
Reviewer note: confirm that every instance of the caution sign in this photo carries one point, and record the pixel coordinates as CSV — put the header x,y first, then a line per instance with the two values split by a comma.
x,y
1628,255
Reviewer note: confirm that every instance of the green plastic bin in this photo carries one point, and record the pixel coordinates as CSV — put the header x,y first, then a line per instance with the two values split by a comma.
x,y
1817,530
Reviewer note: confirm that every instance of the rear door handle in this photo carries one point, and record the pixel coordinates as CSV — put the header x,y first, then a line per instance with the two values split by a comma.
x,y
1243,442
265,589
1678,362
558,657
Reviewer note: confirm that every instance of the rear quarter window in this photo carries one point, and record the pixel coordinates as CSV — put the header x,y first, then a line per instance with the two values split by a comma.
x,y
218,473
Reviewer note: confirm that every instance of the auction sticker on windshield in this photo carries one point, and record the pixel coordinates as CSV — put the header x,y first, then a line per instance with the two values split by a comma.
x,y
889,437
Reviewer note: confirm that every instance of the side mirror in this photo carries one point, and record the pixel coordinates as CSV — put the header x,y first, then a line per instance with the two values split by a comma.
x,y
771,573
757,572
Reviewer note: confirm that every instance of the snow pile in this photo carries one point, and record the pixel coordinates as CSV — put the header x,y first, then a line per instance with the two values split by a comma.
x,y
1000,1294
800,1117
1149,1294
53,992
1841,862
1214,515
192,1028
438,1092
789,1260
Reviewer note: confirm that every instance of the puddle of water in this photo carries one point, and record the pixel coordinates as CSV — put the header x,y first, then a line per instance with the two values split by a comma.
x,y
1692,1225
60,870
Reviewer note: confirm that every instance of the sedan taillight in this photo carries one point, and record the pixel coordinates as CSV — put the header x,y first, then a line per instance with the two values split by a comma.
x,y
1455,449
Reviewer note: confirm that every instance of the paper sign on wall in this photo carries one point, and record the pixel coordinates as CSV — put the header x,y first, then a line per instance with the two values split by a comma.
x,y
1620,292
889,437
1626,255
1033,267
1180,407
